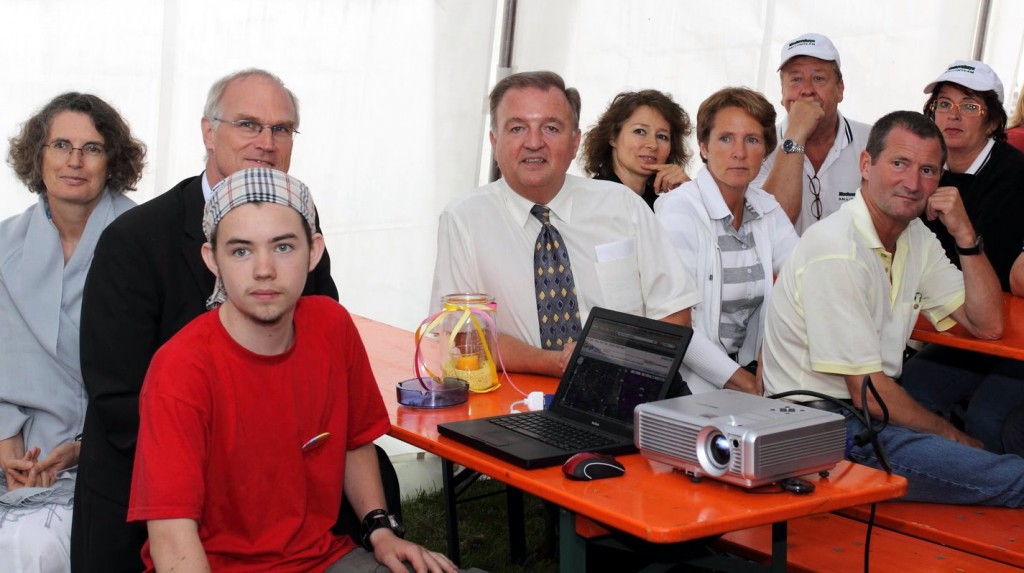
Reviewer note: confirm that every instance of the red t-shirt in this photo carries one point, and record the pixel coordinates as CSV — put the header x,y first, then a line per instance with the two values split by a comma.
x,y
221,435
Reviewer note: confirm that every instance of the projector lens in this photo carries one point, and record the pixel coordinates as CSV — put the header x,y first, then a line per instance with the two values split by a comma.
x,y
718,446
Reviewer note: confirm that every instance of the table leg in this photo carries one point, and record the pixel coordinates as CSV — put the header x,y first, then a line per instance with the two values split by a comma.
x,y
516,524
779,541
572,549
451,516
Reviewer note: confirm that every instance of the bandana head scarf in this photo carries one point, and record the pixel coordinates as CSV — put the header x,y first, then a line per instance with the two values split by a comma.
x,y
256,185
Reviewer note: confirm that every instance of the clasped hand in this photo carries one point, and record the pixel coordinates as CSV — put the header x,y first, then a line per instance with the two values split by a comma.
x,y
29,471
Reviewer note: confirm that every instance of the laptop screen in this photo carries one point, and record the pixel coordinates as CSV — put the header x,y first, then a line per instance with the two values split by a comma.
x,y
619,366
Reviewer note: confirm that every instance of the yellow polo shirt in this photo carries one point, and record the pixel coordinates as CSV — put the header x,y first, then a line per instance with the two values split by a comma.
x,y
836,312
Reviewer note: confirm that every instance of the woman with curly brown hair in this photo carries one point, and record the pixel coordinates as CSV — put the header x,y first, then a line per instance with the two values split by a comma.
x,y
640,141
79,156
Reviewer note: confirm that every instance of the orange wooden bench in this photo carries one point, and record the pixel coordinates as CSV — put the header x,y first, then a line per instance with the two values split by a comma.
x,y
996,533
834,543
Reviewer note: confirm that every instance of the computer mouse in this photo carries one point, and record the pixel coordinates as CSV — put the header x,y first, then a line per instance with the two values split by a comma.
x,y
588,466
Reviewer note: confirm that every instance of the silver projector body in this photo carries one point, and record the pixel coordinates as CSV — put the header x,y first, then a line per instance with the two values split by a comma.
x,y
739,438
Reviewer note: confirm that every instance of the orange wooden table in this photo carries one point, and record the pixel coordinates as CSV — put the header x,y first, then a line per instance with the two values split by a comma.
x,y
651,502
1011,345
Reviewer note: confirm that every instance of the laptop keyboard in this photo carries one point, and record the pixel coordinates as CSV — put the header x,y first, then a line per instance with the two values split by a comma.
x,y
553,432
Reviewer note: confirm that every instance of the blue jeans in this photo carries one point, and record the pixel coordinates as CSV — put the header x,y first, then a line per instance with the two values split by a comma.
x,y
940,470
939,377
1013,432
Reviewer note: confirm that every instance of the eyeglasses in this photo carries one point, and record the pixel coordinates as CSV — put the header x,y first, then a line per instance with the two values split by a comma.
x,y
250,128
63,148
816,192
965,109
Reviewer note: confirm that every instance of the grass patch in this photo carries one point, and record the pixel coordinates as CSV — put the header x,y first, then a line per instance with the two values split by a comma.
x,y
483,529
483,536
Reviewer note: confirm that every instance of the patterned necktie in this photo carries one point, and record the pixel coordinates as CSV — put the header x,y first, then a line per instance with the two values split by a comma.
x,y
557,307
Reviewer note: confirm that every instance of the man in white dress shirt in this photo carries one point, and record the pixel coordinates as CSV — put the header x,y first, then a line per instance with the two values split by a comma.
x,y
618,253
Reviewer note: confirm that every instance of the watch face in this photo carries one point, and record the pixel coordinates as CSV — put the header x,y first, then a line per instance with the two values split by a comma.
x,y
787,145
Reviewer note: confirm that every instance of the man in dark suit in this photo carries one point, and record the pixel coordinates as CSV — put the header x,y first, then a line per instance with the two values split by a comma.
x,y
147,281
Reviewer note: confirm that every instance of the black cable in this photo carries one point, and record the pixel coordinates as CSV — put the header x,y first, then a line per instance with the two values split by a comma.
x,y
867,538
871,431
869,435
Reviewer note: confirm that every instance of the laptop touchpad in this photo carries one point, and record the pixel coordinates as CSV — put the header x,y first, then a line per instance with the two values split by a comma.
x,y
496,438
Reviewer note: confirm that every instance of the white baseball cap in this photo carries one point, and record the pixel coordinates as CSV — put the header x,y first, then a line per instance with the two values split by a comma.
x,y
813,45
970,74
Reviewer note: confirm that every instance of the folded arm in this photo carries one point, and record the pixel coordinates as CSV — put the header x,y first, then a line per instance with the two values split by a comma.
x,y
982,311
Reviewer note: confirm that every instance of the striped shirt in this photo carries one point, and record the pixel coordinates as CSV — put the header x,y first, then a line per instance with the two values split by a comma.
x,y
742,279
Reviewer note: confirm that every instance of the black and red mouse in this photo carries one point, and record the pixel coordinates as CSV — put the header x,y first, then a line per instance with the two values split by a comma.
x,y
588,466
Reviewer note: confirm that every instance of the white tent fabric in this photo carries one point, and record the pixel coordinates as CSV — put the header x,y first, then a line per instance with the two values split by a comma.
x,y
393,92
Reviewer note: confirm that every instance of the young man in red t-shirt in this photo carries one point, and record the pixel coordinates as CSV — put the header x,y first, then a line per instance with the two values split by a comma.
x,y
257,415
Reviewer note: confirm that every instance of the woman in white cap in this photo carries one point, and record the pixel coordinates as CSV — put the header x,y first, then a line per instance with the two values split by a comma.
x,y
966,103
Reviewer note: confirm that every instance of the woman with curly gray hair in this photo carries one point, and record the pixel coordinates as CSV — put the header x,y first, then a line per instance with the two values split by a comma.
x,y
79,156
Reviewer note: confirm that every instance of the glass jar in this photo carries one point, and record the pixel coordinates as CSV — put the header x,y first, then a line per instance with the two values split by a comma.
x,y
468,340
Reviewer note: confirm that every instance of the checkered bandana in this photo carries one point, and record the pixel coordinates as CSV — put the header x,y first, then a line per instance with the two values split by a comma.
x,y
256,185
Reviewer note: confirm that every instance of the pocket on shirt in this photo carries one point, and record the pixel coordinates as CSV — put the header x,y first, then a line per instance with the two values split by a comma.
x,y
619,276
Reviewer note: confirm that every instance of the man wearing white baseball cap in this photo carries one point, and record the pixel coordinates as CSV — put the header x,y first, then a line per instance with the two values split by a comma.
x,y
815,168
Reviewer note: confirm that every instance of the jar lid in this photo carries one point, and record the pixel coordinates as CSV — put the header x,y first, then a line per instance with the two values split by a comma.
x,y
467,298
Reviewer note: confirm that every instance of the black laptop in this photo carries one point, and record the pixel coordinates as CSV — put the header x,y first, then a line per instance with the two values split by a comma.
x,y
621,360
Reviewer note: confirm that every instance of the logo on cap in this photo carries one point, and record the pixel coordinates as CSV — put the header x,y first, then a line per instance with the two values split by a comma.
x,y
961,68
807,41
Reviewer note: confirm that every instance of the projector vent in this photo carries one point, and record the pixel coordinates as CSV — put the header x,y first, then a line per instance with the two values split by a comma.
x,y
667,436
786,451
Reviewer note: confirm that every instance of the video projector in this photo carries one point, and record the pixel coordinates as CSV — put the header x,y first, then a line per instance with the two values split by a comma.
x,y
739,438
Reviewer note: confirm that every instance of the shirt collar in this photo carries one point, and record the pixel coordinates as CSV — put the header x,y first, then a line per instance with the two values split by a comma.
x,y
715,203
981,159
863,223
519,206
207,189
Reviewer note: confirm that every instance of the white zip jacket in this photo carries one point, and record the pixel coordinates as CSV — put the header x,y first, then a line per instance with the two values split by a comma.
x,y
687,213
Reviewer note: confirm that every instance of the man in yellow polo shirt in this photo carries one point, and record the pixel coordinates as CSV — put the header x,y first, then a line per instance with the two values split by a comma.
x,y
848,298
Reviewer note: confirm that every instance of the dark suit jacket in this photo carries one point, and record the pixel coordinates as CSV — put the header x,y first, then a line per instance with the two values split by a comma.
x,y
147,281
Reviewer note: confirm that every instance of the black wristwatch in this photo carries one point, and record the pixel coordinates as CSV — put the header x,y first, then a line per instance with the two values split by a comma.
x,y
977,249
378,519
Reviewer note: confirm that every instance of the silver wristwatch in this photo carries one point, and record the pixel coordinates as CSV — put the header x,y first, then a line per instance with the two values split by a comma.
x,y
790,146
